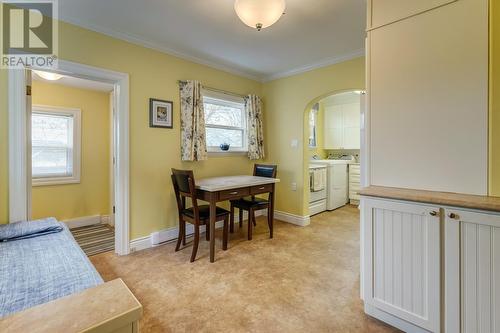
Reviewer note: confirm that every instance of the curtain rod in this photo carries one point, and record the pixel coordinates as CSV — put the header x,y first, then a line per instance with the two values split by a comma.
x,y
217,90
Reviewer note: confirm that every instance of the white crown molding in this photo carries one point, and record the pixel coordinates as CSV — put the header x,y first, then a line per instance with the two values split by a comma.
x,y
324,63
226,68
157,47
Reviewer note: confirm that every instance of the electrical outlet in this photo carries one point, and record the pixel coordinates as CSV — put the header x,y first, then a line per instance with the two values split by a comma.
x,y
294,186
294,143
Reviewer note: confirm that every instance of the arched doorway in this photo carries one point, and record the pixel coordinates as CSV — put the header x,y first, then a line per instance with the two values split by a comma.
x,y
332,150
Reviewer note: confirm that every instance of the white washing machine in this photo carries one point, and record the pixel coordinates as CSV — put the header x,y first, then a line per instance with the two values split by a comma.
x,y
337,192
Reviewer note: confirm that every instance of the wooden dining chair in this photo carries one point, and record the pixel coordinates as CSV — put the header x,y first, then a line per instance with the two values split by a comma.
x,y
184,187
253,204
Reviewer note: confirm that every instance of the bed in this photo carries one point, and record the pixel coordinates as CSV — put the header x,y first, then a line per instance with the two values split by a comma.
x,y
40,267
47,284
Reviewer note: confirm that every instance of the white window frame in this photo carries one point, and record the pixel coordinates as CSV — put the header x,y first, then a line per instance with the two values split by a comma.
x,y
234,101
313,113
77,144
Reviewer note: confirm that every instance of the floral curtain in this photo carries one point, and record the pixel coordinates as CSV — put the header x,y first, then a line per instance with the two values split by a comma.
x,y
253,108
193,141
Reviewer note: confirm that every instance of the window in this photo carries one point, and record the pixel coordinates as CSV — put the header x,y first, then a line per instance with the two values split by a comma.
x,y
225,121
55,142
313,119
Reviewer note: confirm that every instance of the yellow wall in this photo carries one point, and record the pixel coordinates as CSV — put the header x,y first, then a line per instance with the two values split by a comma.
x,y
153,151
494,98
285,103
91,196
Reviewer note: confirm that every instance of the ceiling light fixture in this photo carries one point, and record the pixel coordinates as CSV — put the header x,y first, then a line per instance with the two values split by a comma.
x,y
49,76
259,14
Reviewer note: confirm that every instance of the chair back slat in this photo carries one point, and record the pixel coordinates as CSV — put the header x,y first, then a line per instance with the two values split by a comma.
x,y
264,170
184,187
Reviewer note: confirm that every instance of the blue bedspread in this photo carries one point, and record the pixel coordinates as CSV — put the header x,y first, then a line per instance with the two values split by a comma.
x,y
29,229
40,269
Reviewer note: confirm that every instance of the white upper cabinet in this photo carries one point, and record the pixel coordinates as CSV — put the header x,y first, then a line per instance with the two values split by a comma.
x,y
428,98
342,126
382,12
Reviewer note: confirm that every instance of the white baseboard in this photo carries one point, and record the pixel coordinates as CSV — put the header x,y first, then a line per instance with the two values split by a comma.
x,y
86,220
170,234
106,219
292,218
392,320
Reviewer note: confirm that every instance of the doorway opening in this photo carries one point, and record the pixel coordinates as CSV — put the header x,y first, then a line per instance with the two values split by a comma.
x,y
62,161
334,141
72,156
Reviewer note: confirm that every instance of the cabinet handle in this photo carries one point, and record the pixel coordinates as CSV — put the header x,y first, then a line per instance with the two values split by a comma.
x,y
233,193
261,188
453,216
433,213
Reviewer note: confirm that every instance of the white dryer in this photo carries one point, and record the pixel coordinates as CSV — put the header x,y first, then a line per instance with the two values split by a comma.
x,y
337,182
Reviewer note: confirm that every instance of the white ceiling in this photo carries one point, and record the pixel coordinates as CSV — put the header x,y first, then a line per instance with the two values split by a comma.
x,y
78,83
313,33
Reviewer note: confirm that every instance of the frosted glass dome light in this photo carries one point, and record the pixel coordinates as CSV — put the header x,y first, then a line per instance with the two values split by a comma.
x,y
48,76
259,14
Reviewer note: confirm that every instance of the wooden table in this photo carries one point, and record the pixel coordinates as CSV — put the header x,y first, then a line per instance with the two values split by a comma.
x,y
218,189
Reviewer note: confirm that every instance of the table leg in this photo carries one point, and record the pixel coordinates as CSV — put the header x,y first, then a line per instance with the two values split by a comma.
x,y
212,227
231,219
250,224
270,215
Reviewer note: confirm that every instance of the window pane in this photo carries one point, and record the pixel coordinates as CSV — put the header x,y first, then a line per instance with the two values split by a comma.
x,y
49,161
218,136
52,145
51,130
222,115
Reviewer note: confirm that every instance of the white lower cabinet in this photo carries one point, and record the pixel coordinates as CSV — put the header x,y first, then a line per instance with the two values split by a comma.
x,y
472,272
354,183
402,262
417,257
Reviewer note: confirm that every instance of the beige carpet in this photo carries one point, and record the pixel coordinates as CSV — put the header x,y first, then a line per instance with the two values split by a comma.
x,y
306,279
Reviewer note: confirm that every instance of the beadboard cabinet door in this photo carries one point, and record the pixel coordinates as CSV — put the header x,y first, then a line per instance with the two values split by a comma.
x,y
402,260
472,272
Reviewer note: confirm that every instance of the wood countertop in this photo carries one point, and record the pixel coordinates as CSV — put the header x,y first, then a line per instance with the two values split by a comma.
x,y
479,202
105,308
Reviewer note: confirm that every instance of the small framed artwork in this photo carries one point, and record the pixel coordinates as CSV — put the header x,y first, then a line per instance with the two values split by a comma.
x,y
160,113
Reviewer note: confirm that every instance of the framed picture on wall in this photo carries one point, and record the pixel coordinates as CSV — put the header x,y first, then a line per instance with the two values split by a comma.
x,y
160,113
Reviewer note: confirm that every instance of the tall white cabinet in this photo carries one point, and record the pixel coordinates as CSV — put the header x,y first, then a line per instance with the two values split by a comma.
x,y
427,88
428,267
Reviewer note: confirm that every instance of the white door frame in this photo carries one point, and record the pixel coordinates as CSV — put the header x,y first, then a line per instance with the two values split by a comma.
x,y
19,186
